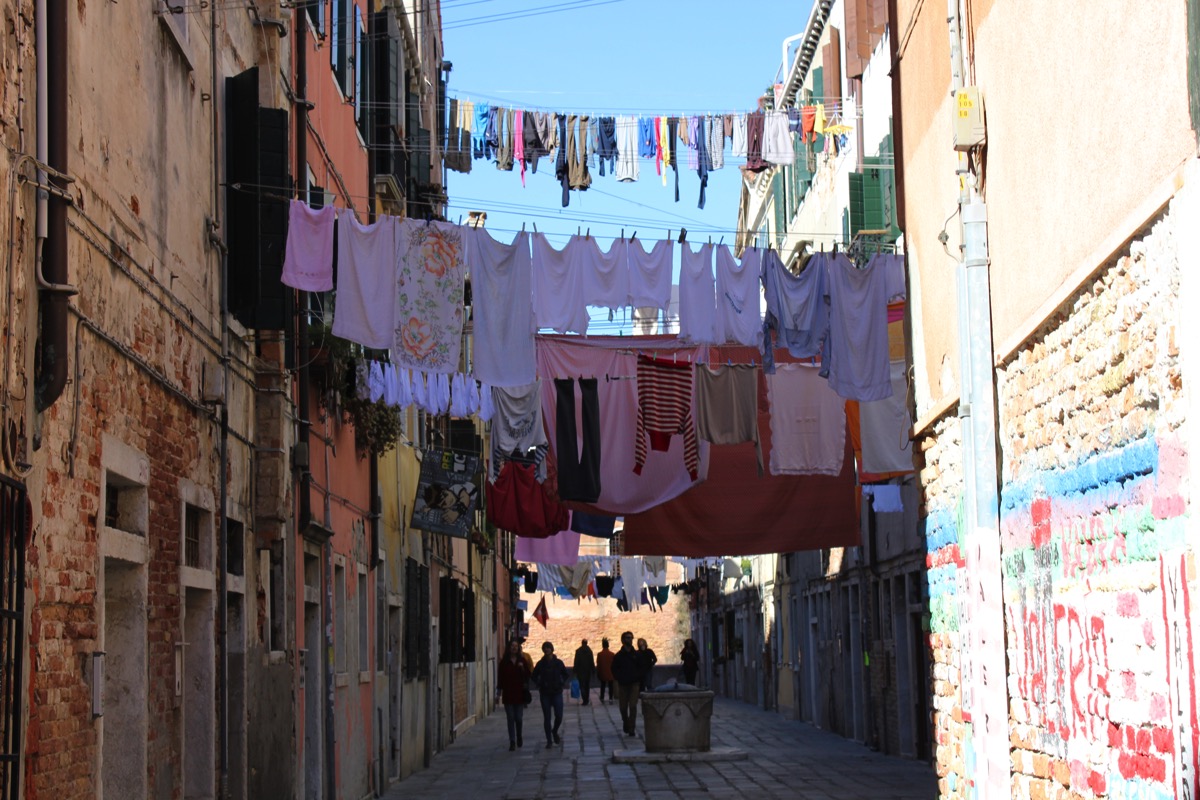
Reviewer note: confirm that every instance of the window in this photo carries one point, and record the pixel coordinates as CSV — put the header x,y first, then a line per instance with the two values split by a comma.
x,y
381,615
316,15
339,45
364,628
457,620
272,576
235,547
339,618
174,17
416,620
125,504
193,522
361,73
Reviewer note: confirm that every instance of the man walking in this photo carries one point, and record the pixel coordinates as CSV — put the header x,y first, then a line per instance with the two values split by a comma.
x,y
584,666
550,676
627,670
604,662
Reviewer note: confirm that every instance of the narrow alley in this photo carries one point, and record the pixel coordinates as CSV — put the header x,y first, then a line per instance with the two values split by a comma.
x,y
785,759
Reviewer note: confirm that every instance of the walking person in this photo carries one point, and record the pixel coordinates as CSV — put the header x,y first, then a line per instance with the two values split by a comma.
x,y
690,658
585,667
604,662
627,670
513,685
647,659
551,677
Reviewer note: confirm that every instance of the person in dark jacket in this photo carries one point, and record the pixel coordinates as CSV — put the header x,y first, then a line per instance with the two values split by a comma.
x,y
512,683
551,677
627,670
585,667
690,658
647,659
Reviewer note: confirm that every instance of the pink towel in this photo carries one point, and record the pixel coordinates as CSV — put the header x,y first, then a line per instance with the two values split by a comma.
x,y
561,548
308,260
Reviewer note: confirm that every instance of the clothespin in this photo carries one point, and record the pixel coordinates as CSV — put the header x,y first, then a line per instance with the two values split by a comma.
x,y
535,230
460,219
622,233
522,227
668,233
721,242
589,234
682,235
578,230
631,238
710,241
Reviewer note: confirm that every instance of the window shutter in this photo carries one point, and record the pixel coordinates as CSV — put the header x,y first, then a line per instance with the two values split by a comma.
x,y
468,625
316,14
412,597
424,610
857,204
819,97
256,155
831,61
361,74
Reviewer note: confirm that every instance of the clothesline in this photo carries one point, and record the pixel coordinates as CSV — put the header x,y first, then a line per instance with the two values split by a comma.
x,y
278,194
833,104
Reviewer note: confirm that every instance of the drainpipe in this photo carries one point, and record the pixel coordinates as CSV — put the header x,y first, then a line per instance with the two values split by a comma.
x,y
50,371
216,239
977,409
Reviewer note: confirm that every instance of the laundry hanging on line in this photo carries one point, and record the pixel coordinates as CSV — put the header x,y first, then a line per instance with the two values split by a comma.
x,y
615,145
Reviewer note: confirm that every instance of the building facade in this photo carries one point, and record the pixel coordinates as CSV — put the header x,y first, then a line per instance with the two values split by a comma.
x,y
1058,525
210,586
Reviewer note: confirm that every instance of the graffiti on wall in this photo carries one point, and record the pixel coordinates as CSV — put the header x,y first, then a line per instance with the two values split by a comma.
x,y
1181,672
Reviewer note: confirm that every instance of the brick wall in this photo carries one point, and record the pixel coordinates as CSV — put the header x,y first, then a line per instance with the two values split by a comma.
x,y
1096,566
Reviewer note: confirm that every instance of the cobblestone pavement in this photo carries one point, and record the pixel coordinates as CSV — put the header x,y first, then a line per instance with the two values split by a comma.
x,y
786,759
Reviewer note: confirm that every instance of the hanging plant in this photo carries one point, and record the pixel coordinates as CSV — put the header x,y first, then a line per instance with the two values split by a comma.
x,y
333,366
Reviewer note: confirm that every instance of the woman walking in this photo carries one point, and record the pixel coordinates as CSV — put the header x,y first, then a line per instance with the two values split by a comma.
x,y
513,684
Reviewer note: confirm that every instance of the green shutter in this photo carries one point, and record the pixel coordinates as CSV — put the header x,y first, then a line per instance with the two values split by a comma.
x,y
1193,61
819,97
857,206
777,200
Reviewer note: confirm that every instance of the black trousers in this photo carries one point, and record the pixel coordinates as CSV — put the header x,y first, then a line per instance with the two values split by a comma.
x,y
578,469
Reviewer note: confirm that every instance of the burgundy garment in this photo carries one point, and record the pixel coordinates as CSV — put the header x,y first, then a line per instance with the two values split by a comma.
x,y
517,502
513,678
754,142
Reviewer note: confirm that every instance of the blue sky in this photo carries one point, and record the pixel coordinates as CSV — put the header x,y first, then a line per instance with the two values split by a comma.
x,y
611,57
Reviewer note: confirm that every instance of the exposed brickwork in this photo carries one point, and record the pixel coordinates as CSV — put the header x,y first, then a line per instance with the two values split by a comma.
x,y
1092,528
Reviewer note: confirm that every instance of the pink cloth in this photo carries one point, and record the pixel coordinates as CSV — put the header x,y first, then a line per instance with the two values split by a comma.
x,y
665,475
808,422
519,142
561,548
308,260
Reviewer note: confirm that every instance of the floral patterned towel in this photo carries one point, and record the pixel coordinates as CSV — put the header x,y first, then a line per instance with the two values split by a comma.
x,y
430,274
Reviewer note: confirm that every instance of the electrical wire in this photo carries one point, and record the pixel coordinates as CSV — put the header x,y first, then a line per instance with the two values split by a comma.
x,y
577,5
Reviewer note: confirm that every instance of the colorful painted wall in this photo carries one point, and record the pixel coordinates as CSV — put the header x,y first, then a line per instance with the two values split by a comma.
x,y
1098,562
